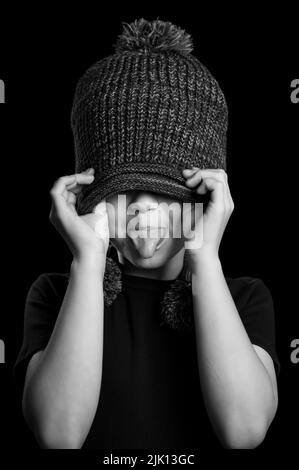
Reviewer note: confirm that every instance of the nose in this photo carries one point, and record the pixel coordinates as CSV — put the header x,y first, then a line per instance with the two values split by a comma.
x,y
143,202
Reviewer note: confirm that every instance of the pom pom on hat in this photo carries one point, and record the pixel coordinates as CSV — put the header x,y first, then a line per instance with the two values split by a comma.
x,y
112,281
176,305
153,36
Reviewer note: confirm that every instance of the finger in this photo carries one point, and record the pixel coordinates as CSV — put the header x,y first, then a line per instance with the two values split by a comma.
x,y
194,178
215,173
100,208
216,188
222,175
89,170
187,172
81,179
69,182
218,174
231,202
71,199
216,170
75,187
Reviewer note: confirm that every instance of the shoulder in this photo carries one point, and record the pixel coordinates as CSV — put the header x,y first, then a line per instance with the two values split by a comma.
x,y
246,289
49,284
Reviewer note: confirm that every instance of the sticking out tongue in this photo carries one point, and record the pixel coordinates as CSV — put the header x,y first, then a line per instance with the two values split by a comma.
x,y
146,245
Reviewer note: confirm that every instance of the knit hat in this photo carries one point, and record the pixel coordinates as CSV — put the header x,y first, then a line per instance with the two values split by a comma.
x,y
143,114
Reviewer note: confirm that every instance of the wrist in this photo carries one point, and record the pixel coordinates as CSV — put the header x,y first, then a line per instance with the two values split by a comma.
x,y
201,260
93,264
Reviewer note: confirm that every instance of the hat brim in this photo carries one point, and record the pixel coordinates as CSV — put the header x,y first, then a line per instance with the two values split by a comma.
x,y
98,190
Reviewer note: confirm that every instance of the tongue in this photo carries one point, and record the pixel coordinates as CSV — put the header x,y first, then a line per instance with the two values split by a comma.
x,y
146,247
146,242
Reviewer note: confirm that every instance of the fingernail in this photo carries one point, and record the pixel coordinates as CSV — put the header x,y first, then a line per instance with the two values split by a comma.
x,y
189,171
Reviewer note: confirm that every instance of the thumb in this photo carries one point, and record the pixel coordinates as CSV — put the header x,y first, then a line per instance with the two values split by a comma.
x,y
100,208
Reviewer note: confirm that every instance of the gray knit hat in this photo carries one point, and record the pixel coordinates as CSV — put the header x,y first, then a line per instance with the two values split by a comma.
x,y
143,114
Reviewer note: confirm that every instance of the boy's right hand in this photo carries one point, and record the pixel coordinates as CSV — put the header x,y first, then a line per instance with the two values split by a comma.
x,y
87,236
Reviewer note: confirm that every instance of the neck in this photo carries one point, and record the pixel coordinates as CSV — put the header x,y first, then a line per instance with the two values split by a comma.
x,y
169,271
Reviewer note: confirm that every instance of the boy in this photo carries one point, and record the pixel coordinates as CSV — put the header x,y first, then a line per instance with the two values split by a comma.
x,y
100,368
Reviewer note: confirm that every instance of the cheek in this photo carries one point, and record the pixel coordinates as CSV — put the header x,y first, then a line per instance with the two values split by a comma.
x,y
116,221
176,226
188,220
175,241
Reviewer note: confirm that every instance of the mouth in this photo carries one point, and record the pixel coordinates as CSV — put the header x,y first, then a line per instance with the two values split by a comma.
x,y
148,227
147,249
160,242
149,231
147,240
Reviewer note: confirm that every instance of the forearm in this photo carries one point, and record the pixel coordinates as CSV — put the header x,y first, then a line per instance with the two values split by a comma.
x,y
63,393
236,386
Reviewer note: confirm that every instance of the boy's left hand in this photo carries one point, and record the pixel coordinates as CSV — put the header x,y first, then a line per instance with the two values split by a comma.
x,y
218,210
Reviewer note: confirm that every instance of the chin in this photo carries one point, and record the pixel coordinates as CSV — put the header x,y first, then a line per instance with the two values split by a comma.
x,y
156,261
160,257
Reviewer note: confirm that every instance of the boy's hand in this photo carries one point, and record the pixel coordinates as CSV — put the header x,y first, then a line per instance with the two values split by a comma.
x,y
87,236
218,210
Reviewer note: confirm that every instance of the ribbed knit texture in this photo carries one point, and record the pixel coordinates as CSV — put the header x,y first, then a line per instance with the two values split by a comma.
x,y
142,114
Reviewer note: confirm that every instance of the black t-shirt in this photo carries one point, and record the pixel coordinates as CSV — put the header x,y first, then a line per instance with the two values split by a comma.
x,y
150,393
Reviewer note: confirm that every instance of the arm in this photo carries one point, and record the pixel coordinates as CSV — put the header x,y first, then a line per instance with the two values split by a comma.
x,y
63,382
62,390
239,392
237,378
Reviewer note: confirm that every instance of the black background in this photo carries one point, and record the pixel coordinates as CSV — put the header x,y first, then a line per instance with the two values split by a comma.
x,y
254,56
